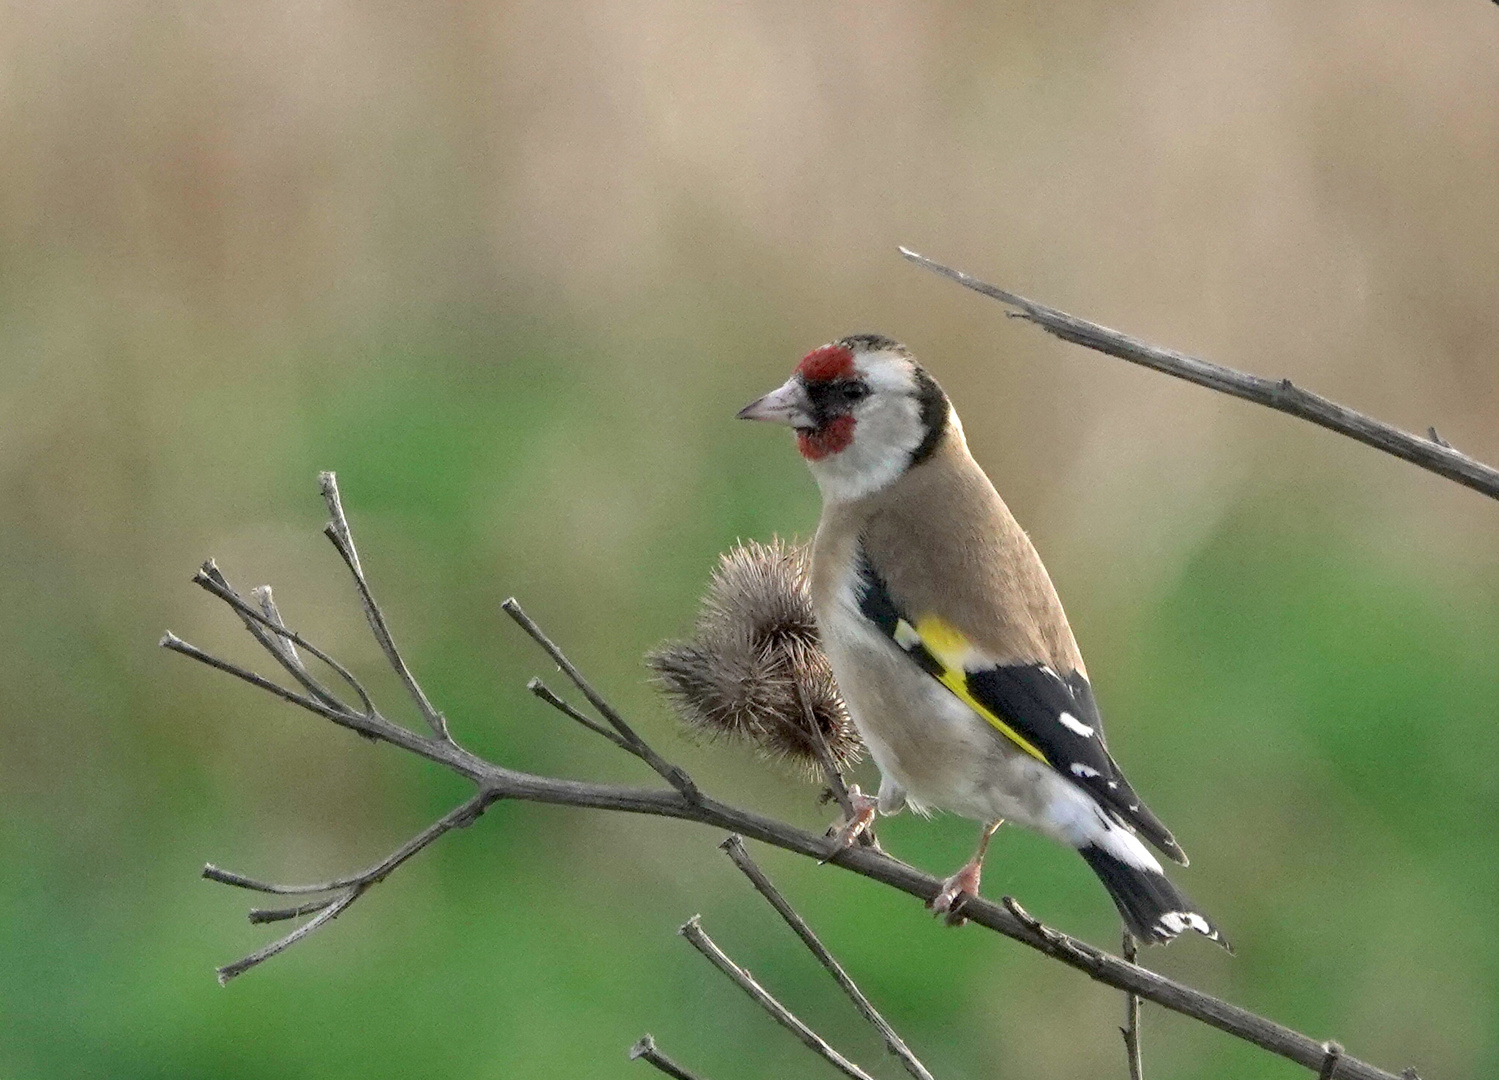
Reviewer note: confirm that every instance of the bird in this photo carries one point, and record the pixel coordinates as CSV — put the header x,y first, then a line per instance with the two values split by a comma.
x,y
947,638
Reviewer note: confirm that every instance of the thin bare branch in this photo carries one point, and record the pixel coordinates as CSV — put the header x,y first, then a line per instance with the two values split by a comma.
x,y
1131,1028
270,915
275,641
337,530
734,845
280,641
700,941
541,690
171,641
350,888
672,774
824,754
1432,453
1010,919
239,881
645,1050
280,945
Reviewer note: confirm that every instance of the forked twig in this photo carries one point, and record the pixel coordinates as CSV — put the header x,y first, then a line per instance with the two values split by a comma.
x,y
337,530
1432,452
346,889
674,776
694,933
684,802
268,628
541,690
734,845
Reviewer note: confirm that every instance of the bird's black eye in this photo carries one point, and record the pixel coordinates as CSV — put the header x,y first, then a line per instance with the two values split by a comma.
x,y
855,390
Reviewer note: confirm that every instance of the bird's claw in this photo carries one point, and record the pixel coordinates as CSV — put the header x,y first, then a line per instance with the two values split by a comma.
x,y
846,833
955,892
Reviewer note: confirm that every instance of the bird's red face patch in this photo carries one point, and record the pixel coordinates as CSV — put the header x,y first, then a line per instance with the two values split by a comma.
x,y
827,363
832,437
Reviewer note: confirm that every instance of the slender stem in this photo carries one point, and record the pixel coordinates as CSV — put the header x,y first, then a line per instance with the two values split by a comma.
x,y
498,782
352,887
541,690
673,775
700,941
734,845
1430,452
645,1050
270,915
337,530
171,641
825,755
278,640
261,955
1131,1028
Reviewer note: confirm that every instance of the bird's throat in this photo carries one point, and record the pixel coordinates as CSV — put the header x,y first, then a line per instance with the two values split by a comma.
x,y
829,439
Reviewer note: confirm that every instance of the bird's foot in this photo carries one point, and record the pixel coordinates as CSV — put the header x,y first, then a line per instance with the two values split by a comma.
x,y
955,892
848,831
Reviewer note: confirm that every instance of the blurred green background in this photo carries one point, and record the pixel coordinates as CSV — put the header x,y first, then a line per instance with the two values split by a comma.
x,y
510,269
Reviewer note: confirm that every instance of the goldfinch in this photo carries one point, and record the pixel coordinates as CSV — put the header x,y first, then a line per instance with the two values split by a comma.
x,y
947,638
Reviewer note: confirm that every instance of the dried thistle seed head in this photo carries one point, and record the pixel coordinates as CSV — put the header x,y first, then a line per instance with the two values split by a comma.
x,y
755,670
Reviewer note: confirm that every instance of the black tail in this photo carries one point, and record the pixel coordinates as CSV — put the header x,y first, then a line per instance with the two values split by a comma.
x,y
1153,908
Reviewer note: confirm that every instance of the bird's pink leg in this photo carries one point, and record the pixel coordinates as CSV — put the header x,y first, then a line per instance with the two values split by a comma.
x,y
963,884
847,832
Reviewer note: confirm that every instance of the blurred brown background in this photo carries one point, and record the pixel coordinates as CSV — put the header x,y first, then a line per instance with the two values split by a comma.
x,y
510,269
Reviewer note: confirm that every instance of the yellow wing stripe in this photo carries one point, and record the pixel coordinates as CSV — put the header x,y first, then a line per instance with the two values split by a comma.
x,y
946,645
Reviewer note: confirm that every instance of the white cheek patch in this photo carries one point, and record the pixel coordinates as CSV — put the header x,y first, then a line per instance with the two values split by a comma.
x,y
1073,724
887,431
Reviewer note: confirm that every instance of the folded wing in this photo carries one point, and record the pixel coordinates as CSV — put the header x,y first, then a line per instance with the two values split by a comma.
x,y
1050,715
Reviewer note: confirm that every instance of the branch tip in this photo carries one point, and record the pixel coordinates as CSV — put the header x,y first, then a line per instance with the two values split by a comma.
x,y
646,1050
782,1015
672,774
1429,453
733,844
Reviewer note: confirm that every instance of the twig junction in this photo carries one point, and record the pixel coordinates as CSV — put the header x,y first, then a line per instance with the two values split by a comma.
x,y
681,800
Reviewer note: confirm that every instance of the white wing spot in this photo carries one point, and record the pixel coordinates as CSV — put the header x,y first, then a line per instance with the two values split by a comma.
x,y
1072,723
905,635
1175,922
1084,771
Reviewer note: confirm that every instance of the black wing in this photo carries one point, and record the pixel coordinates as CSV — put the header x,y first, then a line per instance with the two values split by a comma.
x,y
1052,717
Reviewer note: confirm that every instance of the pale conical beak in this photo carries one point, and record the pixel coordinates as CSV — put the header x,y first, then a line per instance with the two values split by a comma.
x,y
787,404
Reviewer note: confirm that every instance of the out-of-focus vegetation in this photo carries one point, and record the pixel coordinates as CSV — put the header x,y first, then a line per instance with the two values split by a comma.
x,y
510,269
